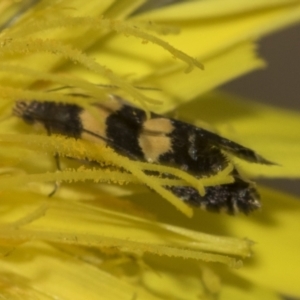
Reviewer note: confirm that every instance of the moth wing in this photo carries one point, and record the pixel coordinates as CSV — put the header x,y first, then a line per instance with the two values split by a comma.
x,y
233,148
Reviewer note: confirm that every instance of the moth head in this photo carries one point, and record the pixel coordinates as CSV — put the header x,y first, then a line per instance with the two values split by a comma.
x,y
23,110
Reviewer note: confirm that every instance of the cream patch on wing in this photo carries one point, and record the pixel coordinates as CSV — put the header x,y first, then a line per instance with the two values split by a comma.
x,y
96,122
153,138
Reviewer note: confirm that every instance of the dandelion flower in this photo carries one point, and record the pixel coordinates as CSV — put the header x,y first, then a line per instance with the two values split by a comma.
x,y
107,236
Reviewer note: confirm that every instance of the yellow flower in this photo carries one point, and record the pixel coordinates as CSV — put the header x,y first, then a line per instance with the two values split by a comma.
x,y
105,241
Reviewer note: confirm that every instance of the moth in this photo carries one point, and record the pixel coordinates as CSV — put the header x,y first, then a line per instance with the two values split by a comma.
x,y
157,139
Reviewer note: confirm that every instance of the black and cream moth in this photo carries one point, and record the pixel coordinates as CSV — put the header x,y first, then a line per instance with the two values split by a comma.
x,y
157,139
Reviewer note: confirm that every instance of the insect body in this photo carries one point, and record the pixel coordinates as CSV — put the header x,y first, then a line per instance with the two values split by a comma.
x,y
159,140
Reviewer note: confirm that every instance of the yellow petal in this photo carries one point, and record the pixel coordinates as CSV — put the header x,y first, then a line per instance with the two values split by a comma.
x,y
48,273
275,232
202,37
212,26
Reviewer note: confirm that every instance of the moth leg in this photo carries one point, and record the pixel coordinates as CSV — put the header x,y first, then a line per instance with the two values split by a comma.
x,y
58,167
56,183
